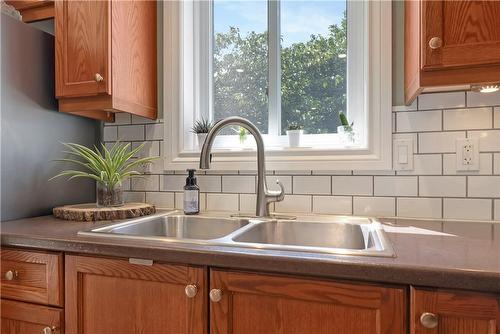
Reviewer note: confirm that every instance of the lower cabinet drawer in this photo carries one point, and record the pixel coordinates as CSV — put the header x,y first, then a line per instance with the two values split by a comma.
x,y
25,318
32,276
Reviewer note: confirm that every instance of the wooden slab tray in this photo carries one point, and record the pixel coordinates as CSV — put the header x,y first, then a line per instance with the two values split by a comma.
x,y
90,211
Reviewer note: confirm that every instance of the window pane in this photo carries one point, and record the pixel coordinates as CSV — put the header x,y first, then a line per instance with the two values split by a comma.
x,y
240,61
313,64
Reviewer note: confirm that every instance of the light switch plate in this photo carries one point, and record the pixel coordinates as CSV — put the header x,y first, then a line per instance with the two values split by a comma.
x,y
403,149
467,154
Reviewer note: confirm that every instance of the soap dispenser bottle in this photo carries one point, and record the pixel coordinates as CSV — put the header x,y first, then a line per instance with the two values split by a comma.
x,y
191,194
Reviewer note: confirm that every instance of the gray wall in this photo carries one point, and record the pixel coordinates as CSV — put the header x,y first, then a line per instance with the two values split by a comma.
x,y
398,44
32,128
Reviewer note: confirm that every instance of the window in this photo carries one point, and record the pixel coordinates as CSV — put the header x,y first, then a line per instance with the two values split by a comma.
x,y
279,63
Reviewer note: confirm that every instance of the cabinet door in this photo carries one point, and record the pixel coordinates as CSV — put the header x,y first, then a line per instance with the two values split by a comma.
x,y
460,33
25,318
454,312
115,296
244,303
83,55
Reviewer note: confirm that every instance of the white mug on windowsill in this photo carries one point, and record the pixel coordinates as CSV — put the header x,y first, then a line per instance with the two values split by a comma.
x,y
294,137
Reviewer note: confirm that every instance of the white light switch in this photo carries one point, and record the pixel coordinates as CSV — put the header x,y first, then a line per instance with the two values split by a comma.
x,y
403,153
467,154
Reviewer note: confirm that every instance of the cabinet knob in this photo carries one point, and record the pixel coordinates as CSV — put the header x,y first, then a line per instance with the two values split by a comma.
x,y
49,330
98,77
435,43
429,320
10,275
191,290
215,295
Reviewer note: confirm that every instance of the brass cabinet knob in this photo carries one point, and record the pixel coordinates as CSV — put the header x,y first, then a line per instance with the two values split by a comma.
x,y
191,290
49,330
429,320
10,275
215,295
435,43
98,77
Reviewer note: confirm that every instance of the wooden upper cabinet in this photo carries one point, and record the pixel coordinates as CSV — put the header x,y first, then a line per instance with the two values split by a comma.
x,y
115,296
450,44
106,58
243,303
34,10
454,312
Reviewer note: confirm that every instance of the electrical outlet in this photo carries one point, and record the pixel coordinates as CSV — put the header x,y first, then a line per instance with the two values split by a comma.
x,y
403,153
467,154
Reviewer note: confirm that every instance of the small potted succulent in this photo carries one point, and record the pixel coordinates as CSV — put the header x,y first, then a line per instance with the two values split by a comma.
x,y
108,167
201,129
346,130
294,132
242,134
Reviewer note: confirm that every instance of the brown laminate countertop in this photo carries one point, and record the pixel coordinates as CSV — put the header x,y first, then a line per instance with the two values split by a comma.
x,y
461,255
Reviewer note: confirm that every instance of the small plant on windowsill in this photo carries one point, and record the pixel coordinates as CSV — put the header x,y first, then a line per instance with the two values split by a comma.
x,y
201,128
294,132
242,134
346,130
108,167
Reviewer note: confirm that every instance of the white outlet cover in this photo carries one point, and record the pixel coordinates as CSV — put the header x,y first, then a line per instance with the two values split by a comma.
x,y
467,154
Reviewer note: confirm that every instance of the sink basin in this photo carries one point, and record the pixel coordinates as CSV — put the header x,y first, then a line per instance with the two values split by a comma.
x,y
328,234
309,234
176,227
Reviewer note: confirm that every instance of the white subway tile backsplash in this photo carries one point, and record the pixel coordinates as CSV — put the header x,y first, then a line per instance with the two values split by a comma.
x,y
154,131
425,164
134,196
417,121
110,133
489,140
222,202
411,107
294,203
336,205
146,183
483,186
172,182
142,120
458,208
438,142
419,207
352,185
161,199
238,184
150,149
208,183
130,132
122,118
476,99
497,214
248,203
395,186
320,185
441,100
442,186
496,116
375,206
496,163
464,119
450,165
285,180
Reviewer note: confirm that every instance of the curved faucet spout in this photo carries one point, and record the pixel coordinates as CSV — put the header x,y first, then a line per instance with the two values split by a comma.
x,y
264,196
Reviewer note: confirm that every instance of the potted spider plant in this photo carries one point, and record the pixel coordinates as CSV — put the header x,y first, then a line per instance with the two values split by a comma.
x,y
294,132
108,167
201,129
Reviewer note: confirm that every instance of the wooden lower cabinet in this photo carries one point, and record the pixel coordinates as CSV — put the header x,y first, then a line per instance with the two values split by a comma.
x,y
105,296
26,318
435,311
243,303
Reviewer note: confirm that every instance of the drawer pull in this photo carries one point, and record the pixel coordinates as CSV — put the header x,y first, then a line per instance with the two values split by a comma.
x,y
429,320
98,78
11,275
49,330
435,43
215,295
191,290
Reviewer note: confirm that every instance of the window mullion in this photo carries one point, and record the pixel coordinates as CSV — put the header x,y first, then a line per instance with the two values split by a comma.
x,y
274,74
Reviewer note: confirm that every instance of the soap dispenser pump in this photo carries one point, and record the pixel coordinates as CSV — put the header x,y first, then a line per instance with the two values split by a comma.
x,y
191,194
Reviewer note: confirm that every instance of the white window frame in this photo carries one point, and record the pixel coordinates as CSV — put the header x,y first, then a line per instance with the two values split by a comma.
x,y
185,79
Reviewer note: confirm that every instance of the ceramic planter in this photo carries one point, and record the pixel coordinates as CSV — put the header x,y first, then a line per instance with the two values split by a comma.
x,y
294,137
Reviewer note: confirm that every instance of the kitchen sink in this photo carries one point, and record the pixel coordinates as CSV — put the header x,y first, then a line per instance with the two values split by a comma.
x,y
319,234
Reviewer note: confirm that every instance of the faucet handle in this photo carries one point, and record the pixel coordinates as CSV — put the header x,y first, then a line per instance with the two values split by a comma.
x,y
277,195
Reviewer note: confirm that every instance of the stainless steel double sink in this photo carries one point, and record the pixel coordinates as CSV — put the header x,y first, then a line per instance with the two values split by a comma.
x,y
320,234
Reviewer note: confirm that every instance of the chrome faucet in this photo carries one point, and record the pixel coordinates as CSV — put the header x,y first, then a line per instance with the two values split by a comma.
x,y
264,196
